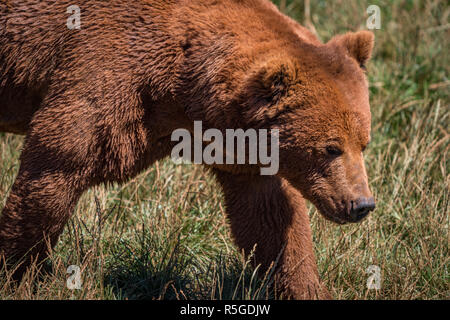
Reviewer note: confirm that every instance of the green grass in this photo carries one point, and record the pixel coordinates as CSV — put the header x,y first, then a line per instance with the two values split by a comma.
x,y
164,235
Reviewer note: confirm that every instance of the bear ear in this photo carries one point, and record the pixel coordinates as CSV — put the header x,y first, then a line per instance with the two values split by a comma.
x,y
359,45
269,83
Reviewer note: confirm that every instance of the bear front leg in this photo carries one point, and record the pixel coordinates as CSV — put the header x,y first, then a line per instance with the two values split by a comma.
x,y
36,211
50,181
74,142
269,213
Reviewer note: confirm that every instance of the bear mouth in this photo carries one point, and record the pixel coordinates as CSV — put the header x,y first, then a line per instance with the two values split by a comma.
x,y
335,219
339,216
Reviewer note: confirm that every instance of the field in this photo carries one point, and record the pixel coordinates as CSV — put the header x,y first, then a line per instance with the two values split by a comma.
x,y
164,234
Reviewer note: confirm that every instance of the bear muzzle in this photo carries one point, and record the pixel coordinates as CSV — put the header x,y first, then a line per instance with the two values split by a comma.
x,y
361,208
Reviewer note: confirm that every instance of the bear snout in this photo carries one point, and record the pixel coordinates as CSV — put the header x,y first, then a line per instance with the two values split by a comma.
x,y
361,208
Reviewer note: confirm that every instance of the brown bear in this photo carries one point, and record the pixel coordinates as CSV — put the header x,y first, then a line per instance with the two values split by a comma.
x,y
98,103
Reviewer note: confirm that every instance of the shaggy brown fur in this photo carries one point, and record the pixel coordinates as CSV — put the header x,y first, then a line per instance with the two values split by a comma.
x,y
99,104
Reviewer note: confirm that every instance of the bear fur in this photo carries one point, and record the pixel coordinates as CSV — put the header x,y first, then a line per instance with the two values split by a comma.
x,y
99,104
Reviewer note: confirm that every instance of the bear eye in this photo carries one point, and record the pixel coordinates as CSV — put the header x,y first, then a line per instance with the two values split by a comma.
x,y
334,151
365,147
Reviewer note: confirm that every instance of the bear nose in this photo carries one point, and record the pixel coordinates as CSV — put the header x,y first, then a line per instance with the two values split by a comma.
x,y
361,208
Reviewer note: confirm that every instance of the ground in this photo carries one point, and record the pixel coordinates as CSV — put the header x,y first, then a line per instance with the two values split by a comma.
x,y
164,234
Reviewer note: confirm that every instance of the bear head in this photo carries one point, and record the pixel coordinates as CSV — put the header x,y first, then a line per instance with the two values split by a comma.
x,y
318,99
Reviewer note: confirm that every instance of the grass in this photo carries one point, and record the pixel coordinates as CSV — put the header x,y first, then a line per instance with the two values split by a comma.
x,y
164,235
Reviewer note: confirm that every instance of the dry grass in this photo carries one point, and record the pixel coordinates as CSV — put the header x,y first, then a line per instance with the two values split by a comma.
x,y
164,235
